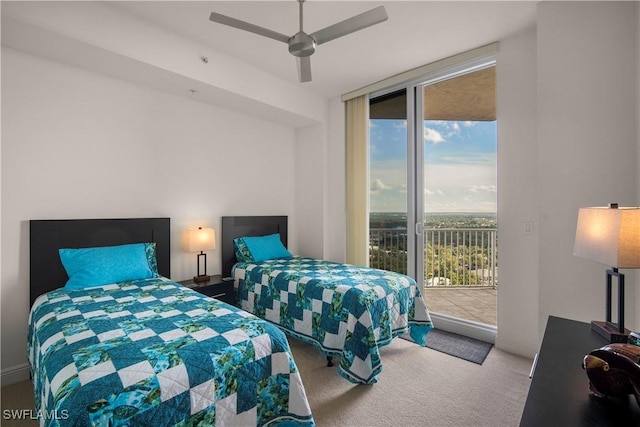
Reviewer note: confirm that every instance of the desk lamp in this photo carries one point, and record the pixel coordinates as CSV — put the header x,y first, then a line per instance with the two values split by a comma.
x,y
611,236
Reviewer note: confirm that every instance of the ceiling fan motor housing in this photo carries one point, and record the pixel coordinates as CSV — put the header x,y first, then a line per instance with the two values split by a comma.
x,y
301,45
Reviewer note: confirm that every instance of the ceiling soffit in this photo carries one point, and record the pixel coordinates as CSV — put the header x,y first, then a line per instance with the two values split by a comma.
x,y
469,97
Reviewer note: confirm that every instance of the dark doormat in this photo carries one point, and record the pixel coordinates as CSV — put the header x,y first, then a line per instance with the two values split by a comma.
x,y
459,346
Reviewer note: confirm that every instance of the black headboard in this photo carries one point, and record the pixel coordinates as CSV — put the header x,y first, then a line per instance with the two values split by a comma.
x,y
47,236
241,226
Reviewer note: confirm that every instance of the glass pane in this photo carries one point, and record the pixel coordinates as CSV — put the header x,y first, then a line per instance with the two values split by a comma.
x,y
388,182
460,205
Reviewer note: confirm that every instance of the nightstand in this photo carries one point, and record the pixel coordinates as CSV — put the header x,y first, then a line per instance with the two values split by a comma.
x,y
215,287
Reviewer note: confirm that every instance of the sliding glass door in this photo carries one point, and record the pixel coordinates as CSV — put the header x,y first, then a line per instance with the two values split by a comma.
x,y
459,160
433,147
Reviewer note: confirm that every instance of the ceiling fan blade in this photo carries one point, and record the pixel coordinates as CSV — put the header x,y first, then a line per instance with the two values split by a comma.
x,y
242,25
304,68
350,25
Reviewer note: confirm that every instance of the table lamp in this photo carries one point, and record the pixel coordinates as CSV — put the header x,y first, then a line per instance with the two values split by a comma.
x,y
611,236
200,240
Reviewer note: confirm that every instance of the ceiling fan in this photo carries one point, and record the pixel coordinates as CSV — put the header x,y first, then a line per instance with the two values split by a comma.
x,y
301,44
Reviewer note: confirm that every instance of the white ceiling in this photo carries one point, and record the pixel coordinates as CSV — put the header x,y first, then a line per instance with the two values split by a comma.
x,y
159,44
416,33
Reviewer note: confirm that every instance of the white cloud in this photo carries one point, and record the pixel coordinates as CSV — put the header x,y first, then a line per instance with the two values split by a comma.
x,y
468,124
483,189
447,130
377,185
430,192
432,135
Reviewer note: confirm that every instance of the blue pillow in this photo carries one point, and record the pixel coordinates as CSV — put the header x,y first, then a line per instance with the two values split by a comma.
x,y
89,267
266,247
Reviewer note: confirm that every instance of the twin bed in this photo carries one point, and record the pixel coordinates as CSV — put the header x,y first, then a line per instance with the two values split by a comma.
x,y
348,312
145,350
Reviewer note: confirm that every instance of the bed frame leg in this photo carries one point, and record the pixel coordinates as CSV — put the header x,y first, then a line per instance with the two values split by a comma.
x,y
329,362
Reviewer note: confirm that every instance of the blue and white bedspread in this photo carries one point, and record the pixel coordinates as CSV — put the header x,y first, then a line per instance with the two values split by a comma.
x,y
154,353
345,310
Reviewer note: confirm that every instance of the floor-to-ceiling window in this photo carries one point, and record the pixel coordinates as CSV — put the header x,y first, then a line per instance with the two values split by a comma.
x,y
432,198
388,208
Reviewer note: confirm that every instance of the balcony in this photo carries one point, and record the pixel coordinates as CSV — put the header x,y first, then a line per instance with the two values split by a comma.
x,y
460,268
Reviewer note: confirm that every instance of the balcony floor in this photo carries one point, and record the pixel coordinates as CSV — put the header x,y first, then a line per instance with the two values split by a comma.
x,y
476,304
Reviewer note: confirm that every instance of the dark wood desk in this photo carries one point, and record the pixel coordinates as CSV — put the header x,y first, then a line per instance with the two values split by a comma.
x,y
559,392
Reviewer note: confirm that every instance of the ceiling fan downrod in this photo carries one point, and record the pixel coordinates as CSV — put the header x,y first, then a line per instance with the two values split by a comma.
x,y
301,14
301,44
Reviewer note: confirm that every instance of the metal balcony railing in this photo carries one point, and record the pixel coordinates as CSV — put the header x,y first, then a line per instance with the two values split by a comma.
x,y
453,257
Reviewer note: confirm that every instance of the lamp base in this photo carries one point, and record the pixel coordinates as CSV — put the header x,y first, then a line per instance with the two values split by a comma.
x,y
610,331
202,278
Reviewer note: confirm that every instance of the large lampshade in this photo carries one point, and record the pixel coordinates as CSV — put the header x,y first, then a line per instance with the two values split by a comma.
x,y
201,239
609,236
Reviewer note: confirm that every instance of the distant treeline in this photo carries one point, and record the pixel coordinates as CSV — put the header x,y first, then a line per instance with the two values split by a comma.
x,y
435,220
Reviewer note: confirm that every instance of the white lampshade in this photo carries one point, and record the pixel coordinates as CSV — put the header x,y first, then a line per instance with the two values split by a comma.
x,y
201,239
610,236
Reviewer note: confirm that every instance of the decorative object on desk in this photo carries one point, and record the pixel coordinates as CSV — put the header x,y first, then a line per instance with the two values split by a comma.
x,y
611,236
200,240
614,370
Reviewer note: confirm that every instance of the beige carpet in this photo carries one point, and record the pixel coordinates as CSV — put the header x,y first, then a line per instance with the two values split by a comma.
x,y
418,387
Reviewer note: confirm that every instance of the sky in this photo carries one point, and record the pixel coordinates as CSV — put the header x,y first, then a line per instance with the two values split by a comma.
x,y
459,166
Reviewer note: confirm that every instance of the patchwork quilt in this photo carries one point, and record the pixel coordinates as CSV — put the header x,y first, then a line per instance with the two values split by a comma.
x,y
154,353
345,310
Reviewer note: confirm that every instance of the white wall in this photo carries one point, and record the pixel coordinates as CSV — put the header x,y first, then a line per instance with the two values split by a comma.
x,y
587,143
309,185
76,144
336,174
517,194
567,138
